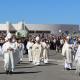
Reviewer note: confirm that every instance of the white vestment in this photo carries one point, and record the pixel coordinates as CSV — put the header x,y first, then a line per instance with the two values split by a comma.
x,y
45,48
21,50
36,51
16,52
8,56
29,47
77,59
66,52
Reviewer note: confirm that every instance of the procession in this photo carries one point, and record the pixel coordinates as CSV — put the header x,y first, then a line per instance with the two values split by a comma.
x,y
37,48
13,51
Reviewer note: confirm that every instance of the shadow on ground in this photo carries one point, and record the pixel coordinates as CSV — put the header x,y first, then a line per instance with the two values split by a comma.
x,y
22,63
22,72
73,69
17,67
48,64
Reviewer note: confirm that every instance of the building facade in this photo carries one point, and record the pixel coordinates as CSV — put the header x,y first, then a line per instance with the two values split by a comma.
x,y
39,28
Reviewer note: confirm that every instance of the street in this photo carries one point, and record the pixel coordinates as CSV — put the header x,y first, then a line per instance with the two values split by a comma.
x,y
54,70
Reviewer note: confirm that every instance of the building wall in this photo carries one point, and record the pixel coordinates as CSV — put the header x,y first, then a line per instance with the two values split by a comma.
x,y
53,28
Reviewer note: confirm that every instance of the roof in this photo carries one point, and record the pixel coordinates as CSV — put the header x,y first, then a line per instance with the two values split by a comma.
x,y
54,28
38,27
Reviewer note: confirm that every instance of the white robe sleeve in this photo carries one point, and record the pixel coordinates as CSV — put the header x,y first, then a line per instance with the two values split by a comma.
x,y
77,54
27,46
1,50
4,48
40,48
63,50
22,46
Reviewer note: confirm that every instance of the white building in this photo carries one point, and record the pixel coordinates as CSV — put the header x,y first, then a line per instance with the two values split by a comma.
x,y
39,28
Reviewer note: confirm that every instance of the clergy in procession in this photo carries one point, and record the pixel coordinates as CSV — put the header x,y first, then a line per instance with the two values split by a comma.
x,y
77,58
16,50
66,52
36,51
45,48
20,50
29,47
8,52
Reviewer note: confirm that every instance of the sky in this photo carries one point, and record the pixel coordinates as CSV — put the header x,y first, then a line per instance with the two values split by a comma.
x,y
40,11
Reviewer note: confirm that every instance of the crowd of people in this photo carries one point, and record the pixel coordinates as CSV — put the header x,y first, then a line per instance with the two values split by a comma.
x,y
13,49
37,47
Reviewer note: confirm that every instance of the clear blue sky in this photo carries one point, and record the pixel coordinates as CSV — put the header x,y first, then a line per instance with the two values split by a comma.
x,y
40,11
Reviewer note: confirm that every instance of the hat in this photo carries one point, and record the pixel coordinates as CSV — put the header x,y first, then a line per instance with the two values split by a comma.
x,y
37,38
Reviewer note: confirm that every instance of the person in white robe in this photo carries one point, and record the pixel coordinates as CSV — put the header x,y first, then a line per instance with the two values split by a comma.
x,y
36,51
8,54
45,48
21,50
66,52
77,58
16,51
29,47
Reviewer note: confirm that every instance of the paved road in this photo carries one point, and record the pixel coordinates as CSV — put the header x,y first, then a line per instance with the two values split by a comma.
x,y
52,71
